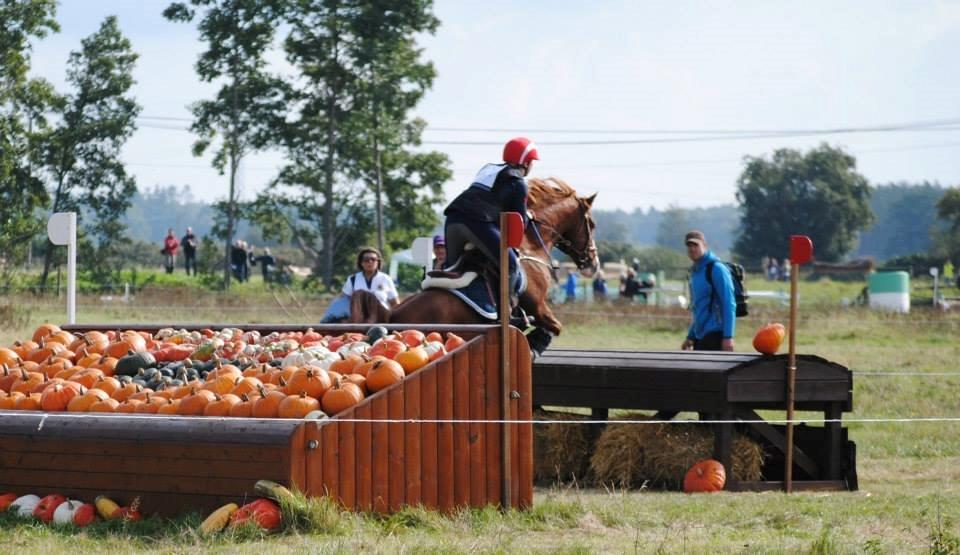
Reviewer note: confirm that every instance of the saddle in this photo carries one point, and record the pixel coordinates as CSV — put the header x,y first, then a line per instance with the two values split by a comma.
x,y
472,278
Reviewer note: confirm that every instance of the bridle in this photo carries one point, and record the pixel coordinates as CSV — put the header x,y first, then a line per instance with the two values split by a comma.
x,y
582,258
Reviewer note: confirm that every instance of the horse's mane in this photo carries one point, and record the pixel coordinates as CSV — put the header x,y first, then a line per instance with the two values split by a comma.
x,y
548,191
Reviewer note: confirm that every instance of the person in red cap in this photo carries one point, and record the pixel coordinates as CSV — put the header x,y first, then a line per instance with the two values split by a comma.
x,y
474,216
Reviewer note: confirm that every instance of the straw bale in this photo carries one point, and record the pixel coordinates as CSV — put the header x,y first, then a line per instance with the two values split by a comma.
x,y
561,452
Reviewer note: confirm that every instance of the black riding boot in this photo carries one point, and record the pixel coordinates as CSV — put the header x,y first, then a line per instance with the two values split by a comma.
x,y
539,339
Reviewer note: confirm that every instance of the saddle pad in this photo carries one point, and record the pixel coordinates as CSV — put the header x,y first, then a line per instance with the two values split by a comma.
x,y
448,283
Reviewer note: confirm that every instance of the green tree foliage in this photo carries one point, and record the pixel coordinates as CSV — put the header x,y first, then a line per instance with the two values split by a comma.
x,y
249,107
818,194
82,153
674,224
905,220
948,240
646,227
23,125
351,140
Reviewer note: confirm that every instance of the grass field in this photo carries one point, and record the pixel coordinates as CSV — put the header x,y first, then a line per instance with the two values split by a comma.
x,y
909,501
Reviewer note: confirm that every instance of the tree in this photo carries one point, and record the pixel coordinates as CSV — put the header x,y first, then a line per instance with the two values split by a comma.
x,y
249,108
674,224
818,194
82,155
903,213
948,240
23,126
359,76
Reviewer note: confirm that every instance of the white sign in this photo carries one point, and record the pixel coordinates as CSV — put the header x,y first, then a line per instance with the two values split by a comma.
x,y
62,230
422,252
934,271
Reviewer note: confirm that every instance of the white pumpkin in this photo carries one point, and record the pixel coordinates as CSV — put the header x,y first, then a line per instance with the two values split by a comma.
x,y
327,361
302,357
434,350
25,504
355,348
64,513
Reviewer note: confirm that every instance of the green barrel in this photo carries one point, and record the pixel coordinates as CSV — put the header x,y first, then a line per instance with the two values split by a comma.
x,y
890,290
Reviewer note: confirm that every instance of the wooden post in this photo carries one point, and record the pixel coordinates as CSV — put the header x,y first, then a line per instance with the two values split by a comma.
x,y
505,486
801,251
791,379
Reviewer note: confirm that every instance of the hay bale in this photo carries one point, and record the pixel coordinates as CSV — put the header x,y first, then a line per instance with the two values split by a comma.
x,y
632,455
561,452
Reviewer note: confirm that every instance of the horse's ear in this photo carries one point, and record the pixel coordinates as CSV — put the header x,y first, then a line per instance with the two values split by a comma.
x,y
590,199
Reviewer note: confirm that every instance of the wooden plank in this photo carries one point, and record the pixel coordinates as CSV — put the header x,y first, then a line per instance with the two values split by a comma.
x,y
412,433
723,442
478,439
777,440
210,452
429,406
492,402
298,459
834,442
123,464
445,481
525,431
347,463
397,438
330,434
774,391
585,395
363,473
623,369
461,432
45,480
554,356
313,436
380,439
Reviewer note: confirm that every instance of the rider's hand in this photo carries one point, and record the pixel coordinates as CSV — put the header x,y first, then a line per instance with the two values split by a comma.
x,y
687,345
727,344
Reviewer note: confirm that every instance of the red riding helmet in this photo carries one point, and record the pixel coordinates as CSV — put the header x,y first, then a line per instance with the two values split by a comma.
x,y
520,150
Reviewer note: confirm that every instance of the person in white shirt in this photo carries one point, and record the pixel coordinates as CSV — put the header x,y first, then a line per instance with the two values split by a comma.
x,y
371,279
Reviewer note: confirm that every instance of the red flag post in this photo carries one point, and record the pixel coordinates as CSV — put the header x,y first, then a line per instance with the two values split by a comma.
x,y
511,235
801,251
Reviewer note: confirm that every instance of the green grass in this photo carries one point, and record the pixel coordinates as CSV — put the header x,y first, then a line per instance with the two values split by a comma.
x,y
909,501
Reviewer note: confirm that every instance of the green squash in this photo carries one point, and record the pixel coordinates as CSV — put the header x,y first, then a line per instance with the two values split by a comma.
x,y
130,364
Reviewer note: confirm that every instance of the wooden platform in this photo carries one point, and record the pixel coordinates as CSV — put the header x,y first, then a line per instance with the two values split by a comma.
x,y
179,464
717,386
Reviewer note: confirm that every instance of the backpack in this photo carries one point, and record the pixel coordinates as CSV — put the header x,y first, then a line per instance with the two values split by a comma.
x,y
739,291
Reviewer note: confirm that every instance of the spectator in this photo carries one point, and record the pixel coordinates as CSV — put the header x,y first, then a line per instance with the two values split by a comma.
x,y
267,263
773,270
647,281
170,246
571,286
629,286
599,286
785,270
238,260
439,252
947,272
714,306
635,264
189,243
368,278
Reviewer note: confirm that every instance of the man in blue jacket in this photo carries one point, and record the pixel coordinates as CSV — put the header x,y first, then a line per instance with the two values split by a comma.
x,y
714,306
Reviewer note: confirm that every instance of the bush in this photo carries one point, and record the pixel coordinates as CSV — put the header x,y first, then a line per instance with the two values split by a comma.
x,y
917,264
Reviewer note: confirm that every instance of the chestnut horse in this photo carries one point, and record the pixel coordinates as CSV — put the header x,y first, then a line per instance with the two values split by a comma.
x,y
563,220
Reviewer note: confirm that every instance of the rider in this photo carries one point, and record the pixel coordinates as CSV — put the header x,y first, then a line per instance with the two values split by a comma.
x,y
474,216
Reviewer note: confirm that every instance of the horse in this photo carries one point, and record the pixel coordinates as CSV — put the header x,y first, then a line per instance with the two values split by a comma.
x,y
560,219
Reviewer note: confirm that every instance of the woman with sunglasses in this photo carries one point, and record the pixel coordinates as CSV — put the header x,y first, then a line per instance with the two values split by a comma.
x,y
368,278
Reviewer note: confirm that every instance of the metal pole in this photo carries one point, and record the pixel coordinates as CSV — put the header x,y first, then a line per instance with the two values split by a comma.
x,y
72,270
791,378
505,486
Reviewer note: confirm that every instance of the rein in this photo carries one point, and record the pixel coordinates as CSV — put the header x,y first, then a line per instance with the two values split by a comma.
x,y
581,258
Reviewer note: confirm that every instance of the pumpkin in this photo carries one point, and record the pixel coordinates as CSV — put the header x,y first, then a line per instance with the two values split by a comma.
x,y
263,512
268,404
433,336
171,407
129,364
383,374
10,401
151,405
28,402
24,348
413,359
87,377
43,330
224,370
705,476
364,367
9,356
453,341
220,384
340,397
221,406
47,506
389,348
65,512
346,363
6,499
7,377
27,382
194,403
242,409
412,338
107,384
107,364
768,338
245,385
375,333
124,392
434,349
57,396
85,515
82,403
309,380
297,406
359,381
25,505
129,406
106,405
62,337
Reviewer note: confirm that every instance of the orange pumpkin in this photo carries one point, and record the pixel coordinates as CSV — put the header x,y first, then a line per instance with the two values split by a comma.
x,y
82,403
297,406
347,364
106,405
24,348
10,401
310,380
433,336
221,406
28,402
268,405
413,359
151,405
244,408
453,341
340,397
359,381
129,406
123,392
389,348
56,397
43,330
171,407
221,384
87,377
194,403
9,356
384,374
412,338
107,384
245,385
26,382
7,377
768,338
705,476
364,367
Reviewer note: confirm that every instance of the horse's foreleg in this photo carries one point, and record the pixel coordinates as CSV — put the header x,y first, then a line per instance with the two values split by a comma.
x,y
546,326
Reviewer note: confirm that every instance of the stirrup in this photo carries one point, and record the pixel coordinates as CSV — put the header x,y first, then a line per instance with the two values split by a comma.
x,y
519,319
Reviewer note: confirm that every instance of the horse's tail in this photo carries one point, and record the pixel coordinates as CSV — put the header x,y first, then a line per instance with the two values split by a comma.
x,y
365,308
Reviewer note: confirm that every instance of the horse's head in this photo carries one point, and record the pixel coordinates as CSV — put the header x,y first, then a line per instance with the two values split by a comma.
x,y
567,217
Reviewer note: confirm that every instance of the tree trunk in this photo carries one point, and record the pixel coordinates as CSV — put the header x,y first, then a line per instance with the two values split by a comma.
x,y
228,242
379,184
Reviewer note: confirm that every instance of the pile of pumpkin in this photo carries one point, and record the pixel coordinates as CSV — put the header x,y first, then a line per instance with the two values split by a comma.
x,y
210,373
57,509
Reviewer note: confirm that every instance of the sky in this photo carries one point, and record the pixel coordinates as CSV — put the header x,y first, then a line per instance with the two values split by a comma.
x,y
628,73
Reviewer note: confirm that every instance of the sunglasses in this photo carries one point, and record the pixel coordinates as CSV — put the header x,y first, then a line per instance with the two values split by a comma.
x,y
370,259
